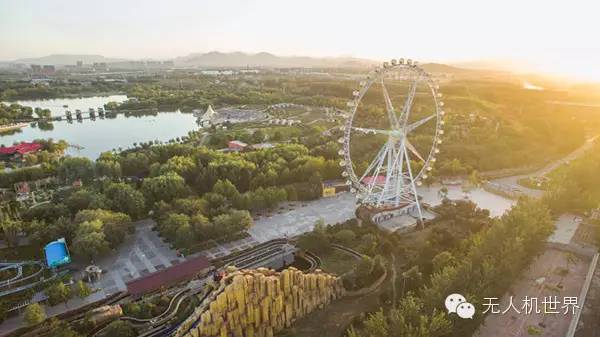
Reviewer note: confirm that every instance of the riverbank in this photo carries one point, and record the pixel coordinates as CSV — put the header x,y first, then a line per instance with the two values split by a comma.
x,y
91,135
65,96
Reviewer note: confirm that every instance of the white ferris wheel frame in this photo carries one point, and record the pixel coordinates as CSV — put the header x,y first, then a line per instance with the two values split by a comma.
x,y
399,189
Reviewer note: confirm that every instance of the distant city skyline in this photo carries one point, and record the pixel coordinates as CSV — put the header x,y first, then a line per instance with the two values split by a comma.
x,y
549,36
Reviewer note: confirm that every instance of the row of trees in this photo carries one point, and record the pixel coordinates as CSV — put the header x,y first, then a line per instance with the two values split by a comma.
x,y
217,215
36,315
59,292
574,185
15,90
14,112
482,265
197,194
90,233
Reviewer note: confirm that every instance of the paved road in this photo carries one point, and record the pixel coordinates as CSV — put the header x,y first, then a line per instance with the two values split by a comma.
x,y
512,181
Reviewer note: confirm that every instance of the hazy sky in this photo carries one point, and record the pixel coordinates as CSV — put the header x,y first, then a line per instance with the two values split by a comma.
x,y
552,36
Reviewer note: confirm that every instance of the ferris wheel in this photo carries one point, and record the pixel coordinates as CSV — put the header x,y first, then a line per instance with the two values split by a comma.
x,y
389,180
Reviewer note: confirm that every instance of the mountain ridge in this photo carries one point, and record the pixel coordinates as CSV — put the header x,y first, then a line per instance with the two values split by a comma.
x,y
68,59
265,59
236,59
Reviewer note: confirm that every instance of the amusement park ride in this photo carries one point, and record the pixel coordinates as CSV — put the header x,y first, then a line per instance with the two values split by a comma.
x,y
388,187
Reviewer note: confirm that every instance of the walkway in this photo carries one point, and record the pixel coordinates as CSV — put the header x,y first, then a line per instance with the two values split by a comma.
x,y
141,254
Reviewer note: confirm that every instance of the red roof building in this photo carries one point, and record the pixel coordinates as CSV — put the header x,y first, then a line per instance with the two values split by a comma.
x,y
20,149
169,276
236,145
378,180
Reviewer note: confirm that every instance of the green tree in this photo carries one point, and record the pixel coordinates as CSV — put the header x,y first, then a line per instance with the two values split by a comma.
x,y
364,269
34,314
441,260
226,189
172,223
411,278
82,289
258,136
443,192
231,223
73,168
90,240
102,215
84,198
114,225
47,212
119,328
124,198
164,187
474,178
135,164
108,168
345,236
58,292
183,166
190,206
216,204
58,328
184,236
11,229
316,241
202,227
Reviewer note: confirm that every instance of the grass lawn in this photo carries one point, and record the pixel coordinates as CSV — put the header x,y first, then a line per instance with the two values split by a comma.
x,y
27,252
337,262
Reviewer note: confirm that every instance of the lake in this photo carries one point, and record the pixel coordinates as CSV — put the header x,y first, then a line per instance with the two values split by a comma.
x,y
95,137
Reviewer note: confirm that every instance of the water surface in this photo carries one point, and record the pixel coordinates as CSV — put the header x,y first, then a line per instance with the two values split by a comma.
x,y
95,137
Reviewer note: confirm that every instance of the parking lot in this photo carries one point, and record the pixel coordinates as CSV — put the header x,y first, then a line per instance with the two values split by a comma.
x,y
141,254
298,218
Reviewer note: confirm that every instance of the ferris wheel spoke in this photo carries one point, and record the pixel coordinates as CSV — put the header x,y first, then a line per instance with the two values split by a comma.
x,y
390,176
409,101
394,123
418,123
374,163
374,131
380,161
413,149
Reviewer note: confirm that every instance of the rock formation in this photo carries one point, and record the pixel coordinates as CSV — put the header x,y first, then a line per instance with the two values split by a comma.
x,y
260,302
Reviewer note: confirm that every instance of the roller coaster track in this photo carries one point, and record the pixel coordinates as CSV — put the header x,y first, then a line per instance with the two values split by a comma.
x,y
167,329
70,317
314,260
162,325
158,319
249,258
347,250
7,287
257,251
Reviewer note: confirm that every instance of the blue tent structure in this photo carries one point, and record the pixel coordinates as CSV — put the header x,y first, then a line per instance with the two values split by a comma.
x,y
57,253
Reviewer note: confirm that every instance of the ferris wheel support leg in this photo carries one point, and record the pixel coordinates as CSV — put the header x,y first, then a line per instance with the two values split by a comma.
x,y
414,188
